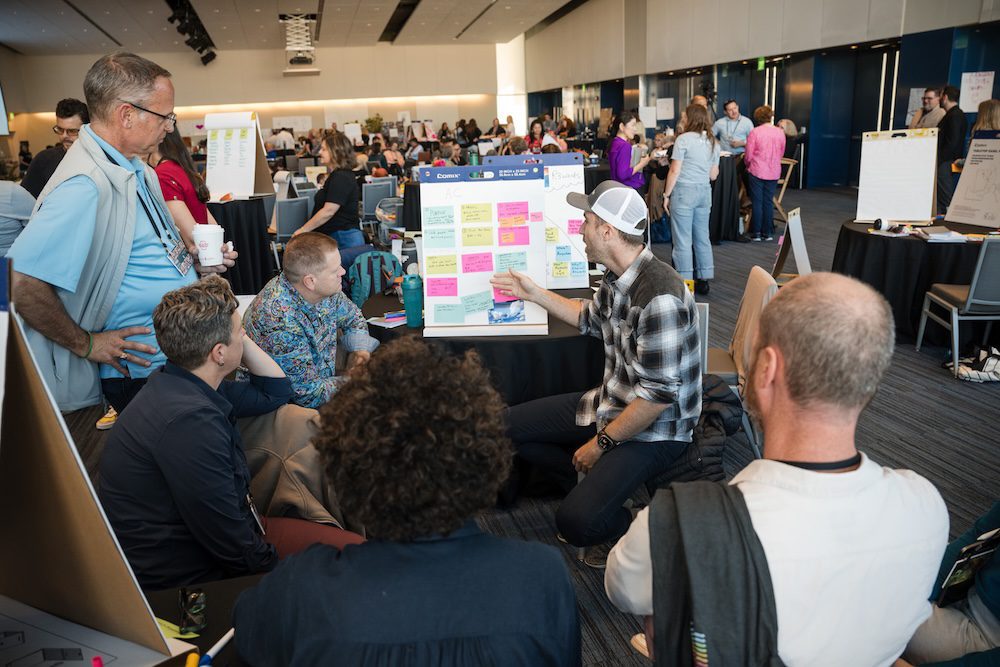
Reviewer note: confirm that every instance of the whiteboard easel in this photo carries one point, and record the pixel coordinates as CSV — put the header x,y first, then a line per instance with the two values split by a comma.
x,y
977,197
898,176
236,163
793,239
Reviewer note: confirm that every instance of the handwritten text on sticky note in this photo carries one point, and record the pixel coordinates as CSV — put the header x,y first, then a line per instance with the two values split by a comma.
x,y
477,213
438,264
514,236
433,216
472,236
477,262
442,287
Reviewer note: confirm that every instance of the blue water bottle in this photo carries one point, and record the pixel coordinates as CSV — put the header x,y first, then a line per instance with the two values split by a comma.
x,y
413,300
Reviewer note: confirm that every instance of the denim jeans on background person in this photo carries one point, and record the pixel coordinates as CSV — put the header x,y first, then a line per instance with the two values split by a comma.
x,y
762,199
945,187
690,207
348,238
545,434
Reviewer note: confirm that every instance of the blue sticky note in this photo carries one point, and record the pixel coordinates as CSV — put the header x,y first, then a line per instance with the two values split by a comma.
x,y
439,238
449,313
511,260
578,268
478,302
563,253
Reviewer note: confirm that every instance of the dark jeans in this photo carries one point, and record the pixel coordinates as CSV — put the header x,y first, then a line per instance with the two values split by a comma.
x,y
120,391
945,186
762,199
545,433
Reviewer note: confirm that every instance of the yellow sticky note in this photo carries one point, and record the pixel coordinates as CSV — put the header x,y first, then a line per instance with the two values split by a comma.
x,y
477,213
442,264
477,236
244,133
560,269
551,234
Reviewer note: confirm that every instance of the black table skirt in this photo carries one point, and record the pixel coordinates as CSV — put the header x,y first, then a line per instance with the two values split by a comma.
x,y
580,144
411,208
220,598
245,223
522,368
594,176
903,270
724,221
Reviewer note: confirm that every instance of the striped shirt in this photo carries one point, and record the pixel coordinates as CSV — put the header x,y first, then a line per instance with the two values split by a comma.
x,y
648,321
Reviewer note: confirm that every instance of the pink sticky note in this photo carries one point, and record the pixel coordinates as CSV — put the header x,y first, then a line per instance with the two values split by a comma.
x,y
536,216
477,262
442,287
574,226
514,236
511,209
500,298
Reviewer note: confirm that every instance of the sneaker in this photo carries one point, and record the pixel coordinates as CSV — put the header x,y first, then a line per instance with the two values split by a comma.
x,y
756,238
638,642
767,238
701,287
597,555
108,420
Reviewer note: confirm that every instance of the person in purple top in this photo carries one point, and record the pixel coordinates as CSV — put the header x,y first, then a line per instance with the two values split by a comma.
x,y
620,153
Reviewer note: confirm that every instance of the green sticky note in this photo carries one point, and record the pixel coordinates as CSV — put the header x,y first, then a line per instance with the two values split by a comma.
x,y
449,313
438,216
443,237
478,302
511,260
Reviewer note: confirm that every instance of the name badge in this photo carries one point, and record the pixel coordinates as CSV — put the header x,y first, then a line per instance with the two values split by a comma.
x,y
180,258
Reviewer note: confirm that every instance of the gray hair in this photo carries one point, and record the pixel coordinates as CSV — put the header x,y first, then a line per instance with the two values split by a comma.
x,y
118,77
836,335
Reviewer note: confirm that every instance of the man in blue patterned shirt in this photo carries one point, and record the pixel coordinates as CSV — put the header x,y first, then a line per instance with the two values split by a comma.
x,y
297,316
632,427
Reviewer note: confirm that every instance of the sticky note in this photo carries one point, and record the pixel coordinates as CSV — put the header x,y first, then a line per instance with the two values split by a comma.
x,y
578,268
514,236
449,313
500,298
551,234
442,264
563,253
512,213
560,269
478,302
477,262
477,236
574,226
442,287
438,216
477,213
512,260
442,237
535,216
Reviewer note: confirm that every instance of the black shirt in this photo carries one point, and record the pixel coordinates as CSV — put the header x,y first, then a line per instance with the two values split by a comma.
x,y
468,598
951,135
340,188
41,169
174,480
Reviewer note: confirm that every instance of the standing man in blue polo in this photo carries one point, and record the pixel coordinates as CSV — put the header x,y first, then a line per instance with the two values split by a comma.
x,y
732,130
101,248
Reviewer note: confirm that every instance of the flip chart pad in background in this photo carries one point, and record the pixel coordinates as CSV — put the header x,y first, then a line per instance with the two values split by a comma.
x,y
477,236
477,263
512,260
443,237
449,313
897,175
478,302
442,287
514,236
472,213
442,264
438,216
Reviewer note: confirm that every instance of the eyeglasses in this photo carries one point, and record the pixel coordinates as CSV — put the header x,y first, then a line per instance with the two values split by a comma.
x,y
170,117
65,130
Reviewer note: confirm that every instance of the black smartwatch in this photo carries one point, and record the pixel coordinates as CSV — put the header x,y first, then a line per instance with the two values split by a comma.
x,y
605,441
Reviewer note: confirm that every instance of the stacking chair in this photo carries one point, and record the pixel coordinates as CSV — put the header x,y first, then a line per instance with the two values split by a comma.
x,y
979,300
783,182
289,215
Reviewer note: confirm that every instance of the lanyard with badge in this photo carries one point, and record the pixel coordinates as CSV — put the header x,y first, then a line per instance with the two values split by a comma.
x,y
176,252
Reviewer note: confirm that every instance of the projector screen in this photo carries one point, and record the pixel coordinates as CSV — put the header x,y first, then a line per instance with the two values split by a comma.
x,y
4,128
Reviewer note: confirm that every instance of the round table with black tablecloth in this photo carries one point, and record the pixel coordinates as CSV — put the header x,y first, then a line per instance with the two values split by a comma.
x,y
724,221
522,368
245,224
903,270
411,208
574,144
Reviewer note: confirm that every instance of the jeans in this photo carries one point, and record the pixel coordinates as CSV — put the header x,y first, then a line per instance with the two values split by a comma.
x,y
545,433
762,200
348,238
690,207
945,186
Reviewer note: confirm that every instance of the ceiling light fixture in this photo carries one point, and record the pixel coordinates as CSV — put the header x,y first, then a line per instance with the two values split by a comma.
x,y
190,26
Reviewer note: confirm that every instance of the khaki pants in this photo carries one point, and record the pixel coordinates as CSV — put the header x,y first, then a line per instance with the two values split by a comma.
x,y
949,633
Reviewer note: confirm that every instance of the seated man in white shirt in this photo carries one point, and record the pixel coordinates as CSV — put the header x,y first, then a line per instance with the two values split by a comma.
x,y
852,548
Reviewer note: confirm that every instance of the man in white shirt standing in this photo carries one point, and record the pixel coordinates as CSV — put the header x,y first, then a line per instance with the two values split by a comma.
x,y
852,547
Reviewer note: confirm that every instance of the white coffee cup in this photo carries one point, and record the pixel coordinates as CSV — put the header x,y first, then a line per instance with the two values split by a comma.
x,y
209,238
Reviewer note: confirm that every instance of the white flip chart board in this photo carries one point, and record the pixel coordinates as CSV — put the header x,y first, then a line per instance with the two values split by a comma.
x,y
977,197
898,170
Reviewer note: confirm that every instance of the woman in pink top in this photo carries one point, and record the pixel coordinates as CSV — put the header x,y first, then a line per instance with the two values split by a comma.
x,y
183,188
765,148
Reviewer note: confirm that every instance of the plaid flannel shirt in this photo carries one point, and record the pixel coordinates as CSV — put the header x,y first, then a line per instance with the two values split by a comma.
x,y
649,324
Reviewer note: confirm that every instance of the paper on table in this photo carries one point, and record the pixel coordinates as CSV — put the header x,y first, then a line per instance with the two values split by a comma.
x,y
387,324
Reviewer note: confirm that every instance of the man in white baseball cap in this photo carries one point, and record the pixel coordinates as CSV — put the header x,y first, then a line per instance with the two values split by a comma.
x,y
632,427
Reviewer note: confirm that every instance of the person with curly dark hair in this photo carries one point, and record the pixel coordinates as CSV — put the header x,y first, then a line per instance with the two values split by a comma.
x,y
416,444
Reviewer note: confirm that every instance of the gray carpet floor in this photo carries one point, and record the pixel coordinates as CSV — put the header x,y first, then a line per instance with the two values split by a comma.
x,y
921,419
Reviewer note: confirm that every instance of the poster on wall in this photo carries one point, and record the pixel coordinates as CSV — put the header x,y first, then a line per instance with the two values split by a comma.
x,y
298,124
403,117
236,164
976,87
977,197
565,253
665,108
914,104
478,221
